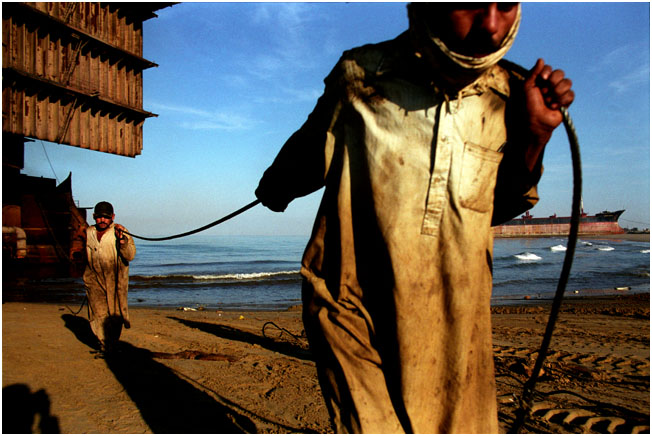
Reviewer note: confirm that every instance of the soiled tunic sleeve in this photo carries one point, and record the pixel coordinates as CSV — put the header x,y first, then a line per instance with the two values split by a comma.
x,y
300,167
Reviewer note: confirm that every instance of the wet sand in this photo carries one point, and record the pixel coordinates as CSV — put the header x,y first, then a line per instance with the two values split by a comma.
x,y
233,372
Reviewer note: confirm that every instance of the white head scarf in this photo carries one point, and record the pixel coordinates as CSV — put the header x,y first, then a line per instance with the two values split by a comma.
x,y
456,68
484,62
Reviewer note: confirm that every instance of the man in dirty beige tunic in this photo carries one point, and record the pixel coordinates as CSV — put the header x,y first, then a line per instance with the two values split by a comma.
x,y
410,144
106,278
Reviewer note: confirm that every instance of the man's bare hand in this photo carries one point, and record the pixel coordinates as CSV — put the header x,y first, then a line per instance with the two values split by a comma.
x,y
546,91
119,235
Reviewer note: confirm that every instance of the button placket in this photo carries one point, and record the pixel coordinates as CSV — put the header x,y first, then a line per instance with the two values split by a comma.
x,y
437,191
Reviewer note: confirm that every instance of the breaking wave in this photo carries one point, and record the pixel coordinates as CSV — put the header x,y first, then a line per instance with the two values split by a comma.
x,y
527,257
216,277
244,276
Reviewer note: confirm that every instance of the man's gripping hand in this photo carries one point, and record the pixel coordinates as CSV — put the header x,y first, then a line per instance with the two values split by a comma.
x,y
120,236
271,199
546,91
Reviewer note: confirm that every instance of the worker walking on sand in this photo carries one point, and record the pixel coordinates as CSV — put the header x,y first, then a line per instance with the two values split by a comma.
x,y
106,278
421,142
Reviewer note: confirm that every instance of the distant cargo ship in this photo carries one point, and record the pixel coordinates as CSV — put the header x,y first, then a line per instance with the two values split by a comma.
x,y
604,223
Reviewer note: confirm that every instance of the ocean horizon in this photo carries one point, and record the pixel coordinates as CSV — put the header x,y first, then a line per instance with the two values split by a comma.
x,y
221,272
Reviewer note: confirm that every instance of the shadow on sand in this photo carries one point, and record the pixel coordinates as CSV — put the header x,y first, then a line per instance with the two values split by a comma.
x,y
226,332
167,403
24,411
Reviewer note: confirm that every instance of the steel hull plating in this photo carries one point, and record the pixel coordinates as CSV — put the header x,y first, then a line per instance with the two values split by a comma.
x,y
605,223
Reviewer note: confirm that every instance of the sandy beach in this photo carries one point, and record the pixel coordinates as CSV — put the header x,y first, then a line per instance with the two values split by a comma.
x,y
233,372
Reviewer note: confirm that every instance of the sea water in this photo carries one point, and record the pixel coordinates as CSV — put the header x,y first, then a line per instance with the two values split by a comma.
x,y
530,267
262,272
227,272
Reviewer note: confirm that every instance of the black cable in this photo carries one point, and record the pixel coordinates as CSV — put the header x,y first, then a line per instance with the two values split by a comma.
x,y
48,158
207,226
528,389
281,329
80,307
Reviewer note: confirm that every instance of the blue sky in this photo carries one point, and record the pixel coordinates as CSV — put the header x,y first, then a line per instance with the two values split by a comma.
x,y
235,80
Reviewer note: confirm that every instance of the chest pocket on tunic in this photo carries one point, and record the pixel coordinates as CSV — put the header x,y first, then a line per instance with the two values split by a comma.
x,y
478,177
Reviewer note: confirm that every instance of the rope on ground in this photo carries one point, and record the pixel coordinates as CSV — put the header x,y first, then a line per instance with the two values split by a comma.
x,y
282,330
80,307
200,229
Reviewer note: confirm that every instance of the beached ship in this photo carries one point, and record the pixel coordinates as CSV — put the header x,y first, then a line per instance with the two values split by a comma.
x,y
72,73
603,223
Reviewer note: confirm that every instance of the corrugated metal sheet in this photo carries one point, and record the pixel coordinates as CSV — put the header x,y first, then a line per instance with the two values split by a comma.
x,y
72,73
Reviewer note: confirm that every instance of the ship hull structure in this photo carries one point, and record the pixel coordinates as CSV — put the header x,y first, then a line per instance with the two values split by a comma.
x,y
41,232
605,223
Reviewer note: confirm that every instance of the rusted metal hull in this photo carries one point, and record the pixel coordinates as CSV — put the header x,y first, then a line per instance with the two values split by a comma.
x,y
50,224
73,73
605,223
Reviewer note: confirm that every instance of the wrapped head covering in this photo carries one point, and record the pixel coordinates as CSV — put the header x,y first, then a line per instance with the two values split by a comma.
x,y
457,69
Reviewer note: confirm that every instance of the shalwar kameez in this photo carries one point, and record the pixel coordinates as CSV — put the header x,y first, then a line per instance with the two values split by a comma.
x,y
398,270
106,279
